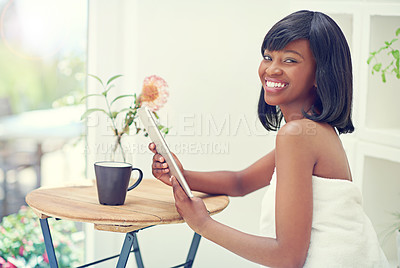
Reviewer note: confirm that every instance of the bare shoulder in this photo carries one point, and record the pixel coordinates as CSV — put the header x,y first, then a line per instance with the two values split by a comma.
x,y
307,129
296,150
316,143
303,134
301,127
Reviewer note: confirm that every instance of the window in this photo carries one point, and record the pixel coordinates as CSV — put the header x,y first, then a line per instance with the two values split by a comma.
x,y
43,64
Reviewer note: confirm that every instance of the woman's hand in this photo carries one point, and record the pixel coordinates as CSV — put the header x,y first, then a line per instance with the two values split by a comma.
x,y
192,210
160,168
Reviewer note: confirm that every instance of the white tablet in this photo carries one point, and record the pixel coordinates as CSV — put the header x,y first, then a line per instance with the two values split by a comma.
x,y
149,122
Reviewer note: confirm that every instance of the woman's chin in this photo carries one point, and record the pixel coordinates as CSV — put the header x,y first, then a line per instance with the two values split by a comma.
x,y
270,100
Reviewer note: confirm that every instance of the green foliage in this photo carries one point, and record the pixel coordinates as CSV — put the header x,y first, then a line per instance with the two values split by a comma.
x,y
38,84
22,241
392,53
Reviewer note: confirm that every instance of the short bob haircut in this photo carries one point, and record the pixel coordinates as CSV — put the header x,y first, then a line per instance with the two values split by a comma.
x,y
334,77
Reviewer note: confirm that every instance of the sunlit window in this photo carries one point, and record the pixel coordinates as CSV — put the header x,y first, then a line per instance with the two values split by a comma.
x,y
42,52
42,79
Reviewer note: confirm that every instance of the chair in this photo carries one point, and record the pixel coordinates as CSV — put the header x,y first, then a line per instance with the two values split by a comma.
x,y
15,156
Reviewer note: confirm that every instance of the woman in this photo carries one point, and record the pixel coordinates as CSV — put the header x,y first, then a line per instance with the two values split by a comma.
x,y
311,213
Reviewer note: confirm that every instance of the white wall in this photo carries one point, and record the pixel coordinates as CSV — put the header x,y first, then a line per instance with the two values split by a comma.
x,y
208,52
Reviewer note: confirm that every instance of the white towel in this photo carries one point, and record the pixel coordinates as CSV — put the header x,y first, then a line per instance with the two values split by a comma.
x,y
342,235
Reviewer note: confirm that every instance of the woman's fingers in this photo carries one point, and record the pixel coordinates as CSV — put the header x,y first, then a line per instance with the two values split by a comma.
x,y
152,147
158,158
159,165
178,191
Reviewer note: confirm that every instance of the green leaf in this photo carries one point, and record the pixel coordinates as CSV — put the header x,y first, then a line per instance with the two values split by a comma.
x,y
383,77
382,48
96,77
393,40
156,115
90,95
105,92
120,97
114,114
165,130
397,31
89,111
377,67
369,59
113,78
396,54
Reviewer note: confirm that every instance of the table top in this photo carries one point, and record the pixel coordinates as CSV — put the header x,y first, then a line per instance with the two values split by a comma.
x,y
151,203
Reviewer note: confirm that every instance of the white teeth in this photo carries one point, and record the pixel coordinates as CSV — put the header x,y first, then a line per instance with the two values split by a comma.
x,y
275,84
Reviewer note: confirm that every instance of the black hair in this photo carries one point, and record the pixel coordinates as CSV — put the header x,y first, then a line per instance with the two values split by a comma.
x,y
333,75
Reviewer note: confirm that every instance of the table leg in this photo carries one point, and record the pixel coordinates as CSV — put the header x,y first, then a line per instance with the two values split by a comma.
x,y
44,224
193,250
130,239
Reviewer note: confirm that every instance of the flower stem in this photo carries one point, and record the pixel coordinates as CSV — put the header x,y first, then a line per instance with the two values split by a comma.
x,y
119,135
122,150
118,143
110,115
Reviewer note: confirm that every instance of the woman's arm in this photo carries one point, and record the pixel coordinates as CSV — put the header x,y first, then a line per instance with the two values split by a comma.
x,y
232,183
295,159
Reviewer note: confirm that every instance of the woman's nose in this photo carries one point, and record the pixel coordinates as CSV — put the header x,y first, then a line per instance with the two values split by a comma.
x,y
273,69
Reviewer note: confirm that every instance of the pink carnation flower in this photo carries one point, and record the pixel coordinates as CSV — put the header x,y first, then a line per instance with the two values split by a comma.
x,y
21,251
9,265
45,257
154,92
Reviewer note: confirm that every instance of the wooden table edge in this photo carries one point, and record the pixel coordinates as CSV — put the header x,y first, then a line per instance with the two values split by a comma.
x,y
121,227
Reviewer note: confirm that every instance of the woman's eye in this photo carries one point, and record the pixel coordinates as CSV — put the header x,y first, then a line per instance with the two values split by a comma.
x,y
290,61
266,57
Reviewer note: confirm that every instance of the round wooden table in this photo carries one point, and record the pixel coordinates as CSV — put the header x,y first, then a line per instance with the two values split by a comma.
x,y
151,203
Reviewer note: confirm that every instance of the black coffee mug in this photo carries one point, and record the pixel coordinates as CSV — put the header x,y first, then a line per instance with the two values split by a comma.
x,y
112,180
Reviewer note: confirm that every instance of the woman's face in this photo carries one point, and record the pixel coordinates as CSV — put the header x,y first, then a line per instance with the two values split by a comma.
x,y
288,76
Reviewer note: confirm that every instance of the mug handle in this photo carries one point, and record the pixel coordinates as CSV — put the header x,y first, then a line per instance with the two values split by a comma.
x,y
138,180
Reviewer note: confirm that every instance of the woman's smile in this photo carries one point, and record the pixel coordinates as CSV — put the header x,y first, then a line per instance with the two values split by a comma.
x,y
274,85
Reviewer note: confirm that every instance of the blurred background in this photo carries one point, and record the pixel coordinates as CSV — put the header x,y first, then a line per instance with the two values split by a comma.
x,y
43,55
208,51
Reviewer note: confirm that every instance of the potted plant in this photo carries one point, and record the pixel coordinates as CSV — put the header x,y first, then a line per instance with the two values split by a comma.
x,y
393,55
154,95
386,60
21,243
